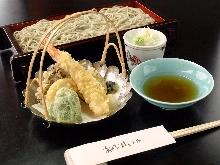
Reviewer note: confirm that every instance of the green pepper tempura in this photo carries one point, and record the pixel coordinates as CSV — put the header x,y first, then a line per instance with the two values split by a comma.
x,y
147,37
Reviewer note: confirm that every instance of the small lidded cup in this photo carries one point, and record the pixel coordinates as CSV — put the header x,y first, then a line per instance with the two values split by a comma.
x,y
143,44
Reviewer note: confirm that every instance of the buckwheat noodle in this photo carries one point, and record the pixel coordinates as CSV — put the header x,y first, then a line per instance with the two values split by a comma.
x,y
83,27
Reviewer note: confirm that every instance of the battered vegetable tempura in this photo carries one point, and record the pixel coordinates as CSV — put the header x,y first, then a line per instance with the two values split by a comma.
x,y
66,82
92,90
66,106
53,73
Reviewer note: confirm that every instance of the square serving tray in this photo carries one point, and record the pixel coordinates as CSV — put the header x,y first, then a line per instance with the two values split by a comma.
x,y
19,60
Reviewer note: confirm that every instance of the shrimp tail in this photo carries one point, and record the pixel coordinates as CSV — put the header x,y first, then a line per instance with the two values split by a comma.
x,y
52,51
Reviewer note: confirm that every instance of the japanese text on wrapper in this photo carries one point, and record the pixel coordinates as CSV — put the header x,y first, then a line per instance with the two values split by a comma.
x,y
123,144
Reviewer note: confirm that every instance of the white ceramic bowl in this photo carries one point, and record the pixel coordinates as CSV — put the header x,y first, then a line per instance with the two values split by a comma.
x,y
202,78
137,54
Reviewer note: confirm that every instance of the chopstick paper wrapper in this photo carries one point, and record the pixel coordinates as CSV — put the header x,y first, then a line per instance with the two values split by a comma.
x,y
118,147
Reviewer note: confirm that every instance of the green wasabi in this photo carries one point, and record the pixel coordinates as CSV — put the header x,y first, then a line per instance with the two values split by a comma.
x,y
139,40
147,37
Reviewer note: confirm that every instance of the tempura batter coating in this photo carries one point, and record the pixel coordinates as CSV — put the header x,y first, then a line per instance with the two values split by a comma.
x,y
88,85
93,92
51,93
66,107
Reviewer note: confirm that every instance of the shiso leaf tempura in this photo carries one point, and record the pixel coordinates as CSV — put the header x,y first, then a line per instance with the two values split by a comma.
x,y
66,106
146,37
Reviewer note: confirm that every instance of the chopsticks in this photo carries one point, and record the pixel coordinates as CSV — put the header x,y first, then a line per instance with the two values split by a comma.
x,y
194,129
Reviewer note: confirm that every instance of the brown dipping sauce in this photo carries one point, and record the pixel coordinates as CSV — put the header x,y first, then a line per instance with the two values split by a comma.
x,y
170,88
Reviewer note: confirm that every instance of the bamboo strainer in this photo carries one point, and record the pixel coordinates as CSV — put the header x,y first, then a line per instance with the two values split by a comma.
x,y
49,35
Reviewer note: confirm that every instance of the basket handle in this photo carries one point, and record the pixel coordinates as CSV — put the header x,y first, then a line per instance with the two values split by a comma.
x,y
52,32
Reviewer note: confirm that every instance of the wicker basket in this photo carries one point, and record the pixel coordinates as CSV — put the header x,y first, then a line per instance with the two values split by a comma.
x,y
49,35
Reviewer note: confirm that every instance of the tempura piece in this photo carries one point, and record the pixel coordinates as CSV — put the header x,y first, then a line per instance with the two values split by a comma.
x,y
53,73
65,107
92,90
66,82
99,78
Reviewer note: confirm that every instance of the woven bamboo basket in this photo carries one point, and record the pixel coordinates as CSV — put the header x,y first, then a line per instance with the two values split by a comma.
x,y
48,36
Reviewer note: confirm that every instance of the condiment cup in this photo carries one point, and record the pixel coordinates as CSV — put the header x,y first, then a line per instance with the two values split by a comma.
x,y
172,66
137,54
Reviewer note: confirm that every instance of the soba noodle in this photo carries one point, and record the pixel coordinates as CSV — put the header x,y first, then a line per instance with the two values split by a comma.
x,y
83,27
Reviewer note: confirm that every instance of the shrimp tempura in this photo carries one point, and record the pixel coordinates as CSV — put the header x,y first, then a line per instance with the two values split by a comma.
x,y
92,90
